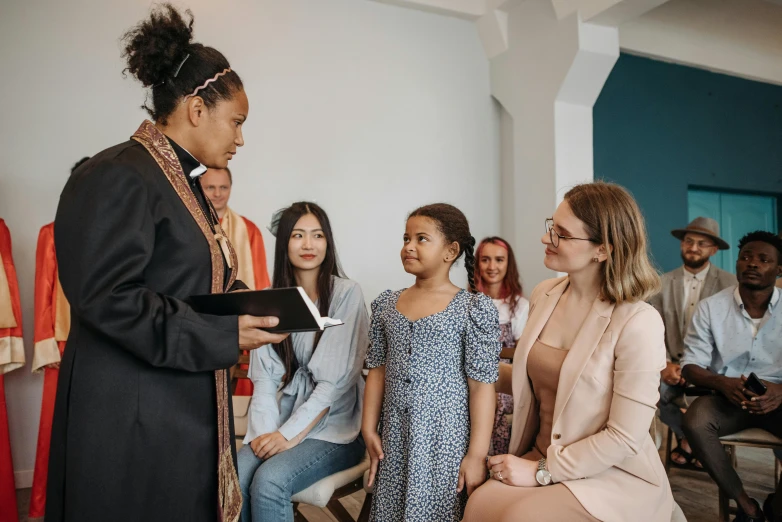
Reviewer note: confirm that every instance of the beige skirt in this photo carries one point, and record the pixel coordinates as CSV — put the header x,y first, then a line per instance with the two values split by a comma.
x,y
498,502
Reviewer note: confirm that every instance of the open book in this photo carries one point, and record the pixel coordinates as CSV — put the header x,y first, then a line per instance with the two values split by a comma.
x,y
292,306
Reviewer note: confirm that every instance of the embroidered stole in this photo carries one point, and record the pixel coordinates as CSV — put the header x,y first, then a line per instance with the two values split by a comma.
x,y
156,143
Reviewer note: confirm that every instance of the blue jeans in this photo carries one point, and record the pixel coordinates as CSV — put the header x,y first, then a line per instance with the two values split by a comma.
x,y
268,485
670,412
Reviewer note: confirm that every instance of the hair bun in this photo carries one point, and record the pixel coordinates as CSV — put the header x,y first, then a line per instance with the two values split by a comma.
x,y
156,46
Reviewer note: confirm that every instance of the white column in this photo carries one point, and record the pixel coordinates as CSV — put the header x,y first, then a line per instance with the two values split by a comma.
x,y
547,81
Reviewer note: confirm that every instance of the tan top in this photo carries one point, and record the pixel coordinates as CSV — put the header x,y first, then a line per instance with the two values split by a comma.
x,y
543,366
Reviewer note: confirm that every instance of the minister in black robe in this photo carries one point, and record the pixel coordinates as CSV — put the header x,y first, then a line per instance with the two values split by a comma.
x,y
135,434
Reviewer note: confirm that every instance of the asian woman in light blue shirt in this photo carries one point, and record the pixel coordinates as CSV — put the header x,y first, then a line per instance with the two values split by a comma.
x,y
305,412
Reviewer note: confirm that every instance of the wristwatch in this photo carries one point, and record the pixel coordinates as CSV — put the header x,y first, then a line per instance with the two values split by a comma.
x,y
543,476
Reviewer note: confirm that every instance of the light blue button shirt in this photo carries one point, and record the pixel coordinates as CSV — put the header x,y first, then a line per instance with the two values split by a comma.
x,y
720,338
328,377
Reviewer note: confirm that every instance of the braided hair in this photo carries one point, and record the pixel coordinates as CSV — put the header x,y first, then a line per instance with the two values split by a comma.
x,y
453,225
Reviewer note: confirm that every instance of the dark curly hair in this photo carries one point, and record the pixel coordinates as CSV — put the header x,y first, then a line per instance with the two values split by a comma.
x,y
765,237
160,53
453,225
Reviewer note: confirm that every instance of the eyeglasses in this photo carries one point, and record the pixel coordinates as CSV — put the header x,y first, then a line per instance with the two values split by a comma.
x,y
555,237
700,244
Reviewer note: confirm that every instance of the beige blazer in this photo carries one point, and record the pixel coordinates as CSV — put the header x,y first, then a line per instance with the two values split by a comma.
x,y
670,303
606,400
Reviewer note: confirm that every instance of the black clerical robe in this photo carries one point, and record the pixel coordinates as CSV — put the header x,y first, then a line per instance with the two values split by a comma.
x,y
137,414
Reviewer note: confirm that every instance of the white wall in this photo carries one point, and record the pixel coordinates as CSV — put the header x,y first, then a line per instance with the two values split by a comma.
x,y
366,108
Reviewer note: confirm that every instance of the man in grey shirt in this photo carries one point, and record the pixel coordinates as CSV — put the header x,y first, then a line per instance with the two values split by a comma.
x,y
681,291
734,333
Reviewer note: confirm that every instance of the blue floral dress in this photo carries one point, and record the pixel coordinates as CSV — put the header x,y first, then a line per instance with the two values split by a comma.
x,y
425,420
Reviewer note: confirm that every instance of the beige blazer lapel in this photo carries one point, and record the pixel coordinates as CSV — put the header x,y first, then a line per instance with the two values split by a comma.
x,y
578,356
710,283
522,391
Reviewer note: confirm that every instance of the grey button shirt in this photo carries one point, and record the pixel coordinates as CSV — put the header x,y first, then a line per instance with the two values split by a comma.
x,y
721,338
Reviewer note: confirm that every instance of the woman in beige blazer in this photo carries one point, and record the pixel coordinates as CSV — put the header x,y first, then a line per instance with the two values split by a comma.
x,y
585,377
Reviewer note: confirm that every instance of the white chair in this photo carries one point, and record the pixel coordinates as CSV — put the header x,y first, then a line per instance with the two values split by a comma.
x,y
326,492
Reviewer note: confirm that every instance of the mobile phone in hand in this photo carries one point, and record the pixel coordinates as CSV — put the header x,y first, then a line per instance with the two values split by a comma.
x,y
754,385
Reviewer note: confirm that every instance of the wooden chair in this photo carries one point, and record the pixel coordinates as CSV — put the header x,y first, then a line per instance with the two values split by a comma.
x,y
752,438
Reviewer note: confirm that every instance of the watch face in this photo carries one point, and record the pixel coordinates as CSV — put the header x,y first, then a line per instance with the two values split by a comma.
x,y
543,477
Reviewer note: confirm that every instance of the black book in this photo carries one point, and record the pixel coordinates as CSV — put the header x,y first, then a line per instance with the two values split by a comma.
x,y
292,306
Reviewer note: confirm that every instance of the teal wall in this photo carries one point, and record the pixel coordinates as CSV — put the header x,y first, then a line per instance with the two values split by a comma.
x,y
661,128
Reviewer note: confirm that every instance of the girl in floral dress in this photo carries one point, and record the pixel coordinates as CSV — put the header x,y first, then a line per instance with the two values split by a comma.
x,y
433,359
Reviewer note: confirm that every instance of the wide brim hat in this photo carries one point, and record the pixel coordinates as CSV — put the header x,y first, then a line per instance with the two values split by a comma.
x,y
705,227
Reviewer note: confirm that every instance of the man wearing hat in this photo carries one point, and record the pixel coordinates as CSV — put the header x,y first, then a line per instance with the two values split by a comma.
x,y
682,289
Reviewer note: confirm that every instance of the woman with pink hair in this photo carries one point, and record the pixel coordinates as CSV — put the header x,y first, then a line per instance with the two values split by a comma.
x,y
497,276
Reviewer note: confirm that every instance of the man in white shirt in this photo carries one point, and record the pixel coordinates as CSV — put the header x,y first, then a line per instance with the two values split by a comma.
x,y
733,334
681,291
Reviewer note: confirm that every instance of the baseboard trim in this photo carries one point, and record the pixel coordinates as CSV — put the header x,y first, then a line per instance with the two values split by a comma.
x,y
23,479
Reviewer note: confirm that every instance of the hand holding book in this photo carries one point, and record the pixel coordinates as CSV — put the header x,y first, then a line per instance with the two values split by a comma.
x,y
291,306
253,332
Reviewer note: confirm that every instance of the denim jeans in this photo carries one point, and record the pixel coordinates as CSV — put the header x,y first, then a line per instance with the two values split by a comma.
x,y
670,412
268,485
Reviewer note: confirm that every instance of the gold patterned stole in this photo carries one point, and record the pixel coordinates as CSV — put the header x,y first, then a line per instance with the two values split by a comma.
x,y
156,143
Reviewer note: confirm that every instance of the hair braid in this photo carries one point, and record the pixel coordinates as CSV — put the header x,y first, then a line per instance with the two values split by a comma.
x,y
469,262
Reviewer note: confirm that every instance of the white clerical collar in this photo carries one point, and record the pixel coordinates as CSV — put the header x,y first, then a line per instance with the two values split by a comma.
x,y
199,170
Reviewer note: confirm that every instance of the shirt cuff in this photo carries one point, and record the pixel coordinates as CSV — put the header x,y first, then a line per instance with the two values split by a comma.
x,y
11,354
45,352
289,430
260,427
